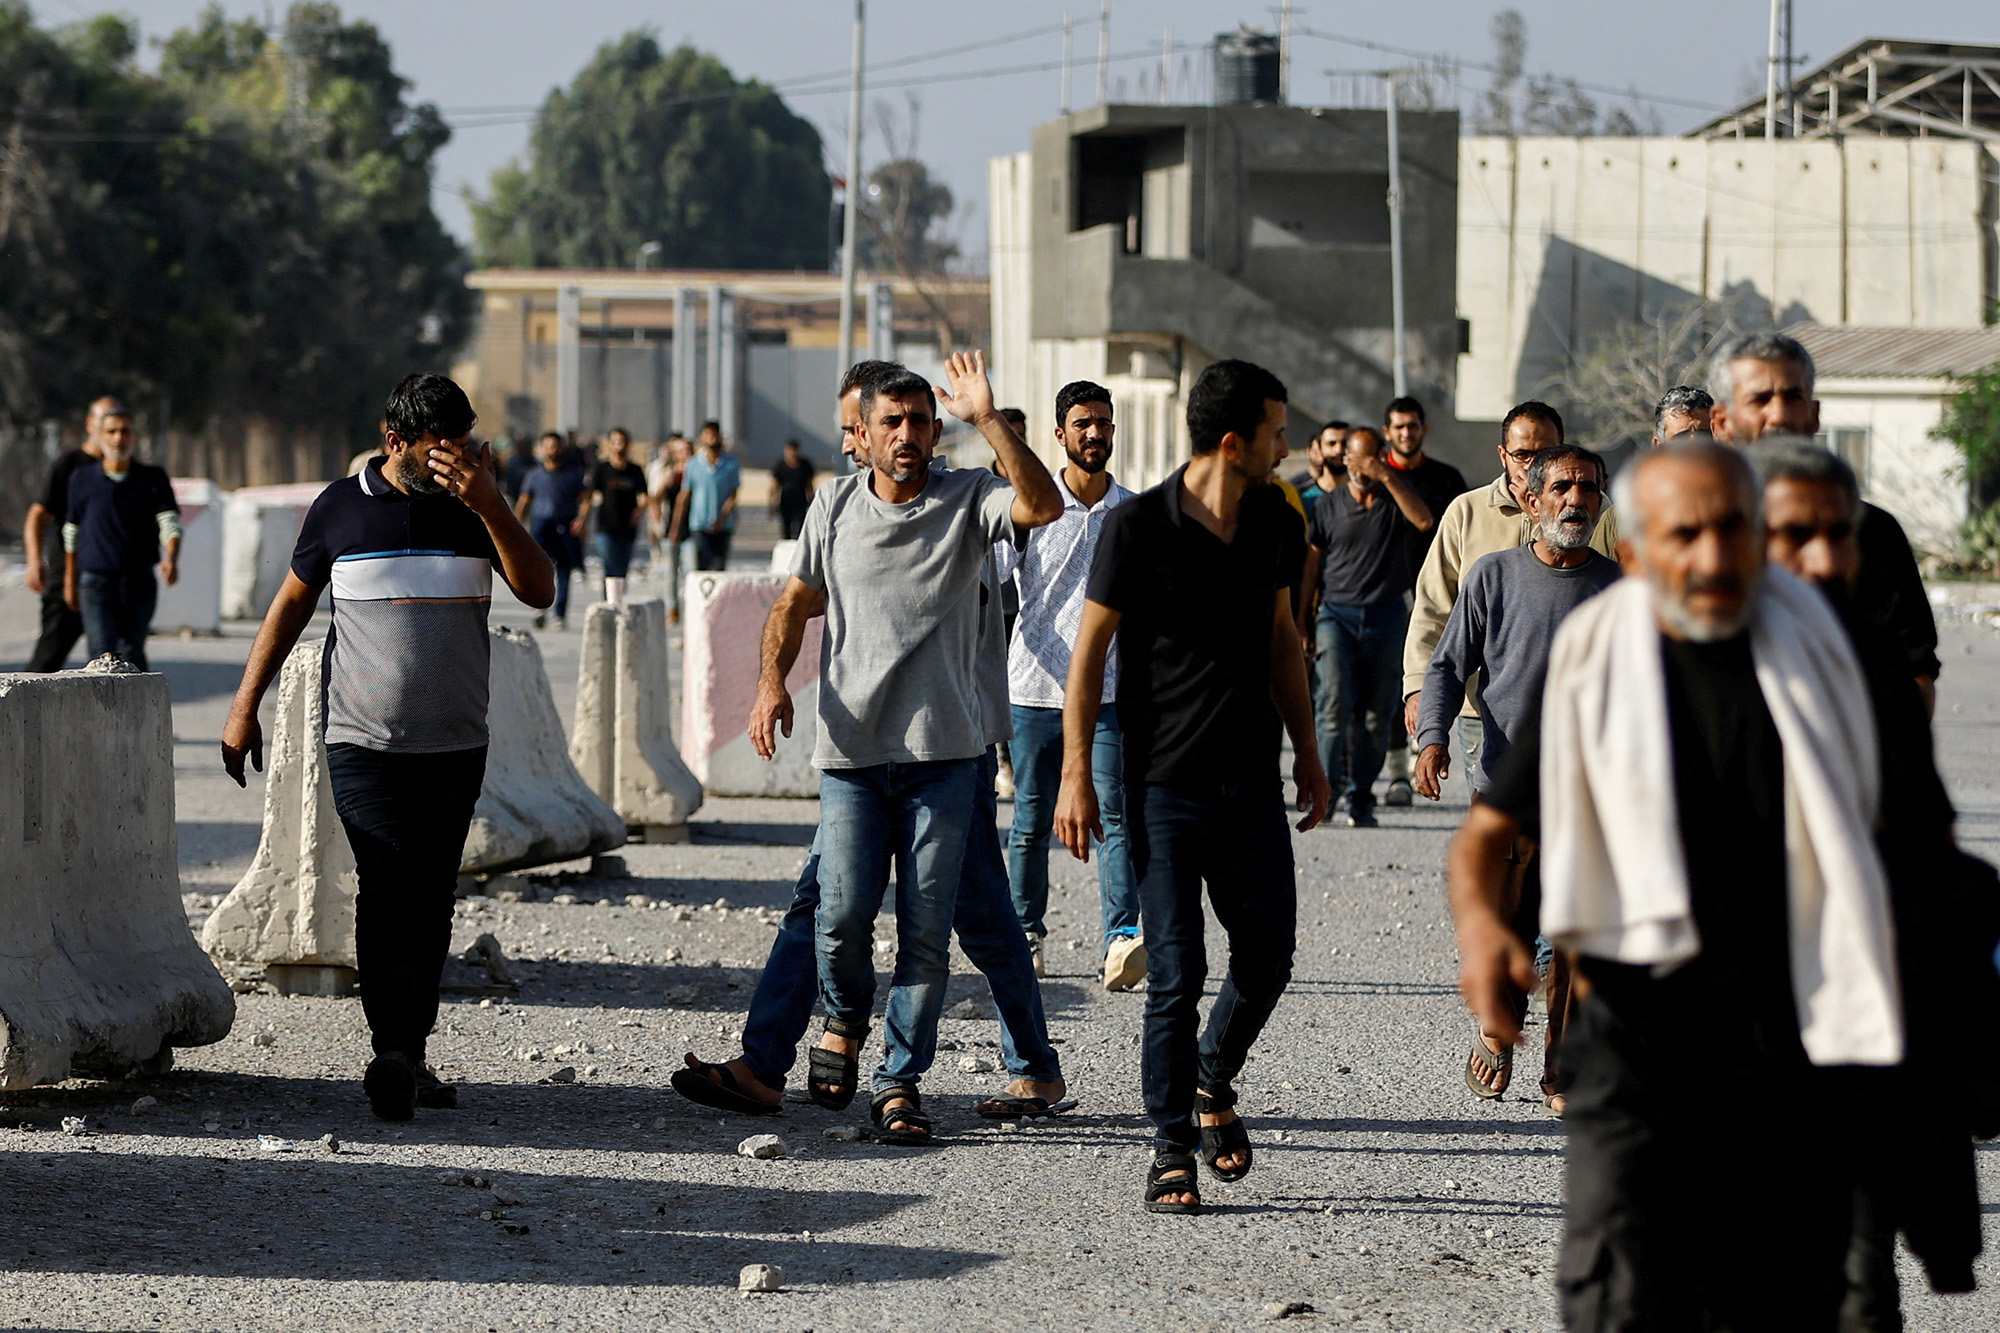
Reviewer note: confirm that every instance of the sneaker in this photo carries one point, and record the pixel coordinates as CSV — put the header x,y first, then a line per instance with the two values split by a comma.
x,y
1003,785
562,622
433,1093
541,621
1035,943
391,1085
1125,963
1361,817
1400,792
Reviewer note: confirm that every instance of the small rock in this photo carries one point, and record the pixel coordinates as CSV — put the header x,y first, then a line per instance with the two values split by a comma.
x,y
639,900
683,995
266,1039
762,1147
973,1064
531,1056
761,1277
608,866
1010,1126
564,900
144,1104
329,1142
75,1126
659,1122
967,1009
272,1143
844,1133
590,1071
1286,1309
567,1074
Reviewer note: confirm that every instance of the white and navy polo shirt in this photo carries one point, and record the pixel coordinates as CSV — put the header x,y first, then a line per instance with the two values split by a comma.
x,y
407,658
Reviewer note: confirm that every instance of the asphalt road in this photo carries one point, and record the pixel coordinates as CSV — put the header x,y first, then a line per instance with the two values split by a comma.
x,y
1384,1195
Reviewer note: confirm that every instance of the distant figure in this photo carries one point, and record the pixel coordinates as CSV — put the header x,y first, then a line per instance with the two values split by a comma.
x,y
61,627
622,485
121,515
791,490
1326,463
1682,410
705,514
548,504
663,481
515,467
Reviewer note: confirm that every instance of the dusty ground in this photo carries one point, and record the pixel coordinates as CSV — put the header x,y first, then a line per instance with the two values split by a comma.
x,y
1384,1195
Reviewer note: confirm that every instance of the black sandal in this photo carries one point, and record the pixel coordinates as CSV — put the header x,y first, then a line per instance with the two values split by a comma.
x,y
1219,1140
905,1126
827,1070
726,1094
1187,1182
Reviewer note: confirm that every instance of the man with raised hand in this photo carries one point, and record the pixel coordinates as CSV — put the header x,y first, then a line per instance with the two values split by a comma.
x,y
1194,580
409,546
1437,483
895,558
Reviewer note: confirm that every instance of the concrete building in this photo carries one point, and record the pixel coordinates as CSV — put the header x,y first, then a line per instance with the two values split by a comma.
x,y
589,350
1135,245
1881,393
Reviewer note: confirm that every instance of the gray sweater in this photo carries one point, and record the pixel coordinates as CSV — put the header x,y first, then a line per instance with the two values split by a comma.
x,y
1503,624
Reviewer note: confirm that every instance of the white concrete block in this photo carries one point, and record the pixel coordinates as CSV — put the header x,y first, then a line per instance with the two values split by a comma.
x,y
260,526
196,601
722,623
295,905
98,970
623,741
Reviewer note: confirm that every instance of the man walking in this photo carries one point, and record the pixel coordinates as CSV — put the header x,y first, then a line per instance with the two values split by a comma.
x,y
1682,410
1326,463
1194,579
122,520
616,488
551,497
1506,617
705,512
1437,484
791,490
409,547
1358,563
61,626
1052,569
894,558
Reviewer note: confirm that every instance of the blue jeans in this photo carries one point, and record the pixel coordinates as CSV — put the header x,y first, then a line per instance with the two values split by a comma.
x,y
781,1007
616,553
1037,751
1236,839
117,611
565,550
1360,671
914,817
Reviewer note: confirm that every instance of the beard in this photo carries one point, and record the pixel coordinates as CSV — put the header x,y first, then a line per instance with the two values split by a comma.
x,y
416,475
1690,624
1569,530
1090,458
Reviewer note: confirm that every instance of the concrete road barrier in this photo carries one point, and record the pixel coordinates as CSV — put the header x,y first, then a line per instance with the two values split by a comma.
x,y
98,970
196,601
260,526
722,621
293,910
623,742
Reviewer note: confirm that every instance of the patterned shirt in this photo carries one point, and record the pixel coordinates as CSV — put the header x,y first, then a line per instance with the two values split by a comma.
x,y
1053,570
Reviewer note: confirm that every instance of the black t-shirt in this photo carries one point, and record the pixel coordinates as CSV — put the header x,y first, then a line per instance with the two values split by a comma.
x,y
118,521
623,488
55,499
1365,549
1194,640
1890,591
794,485
1437,485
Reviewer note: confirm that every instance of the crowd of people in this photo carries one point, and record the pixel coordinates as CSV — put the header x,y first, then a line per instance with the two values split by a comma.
x,y
1705,826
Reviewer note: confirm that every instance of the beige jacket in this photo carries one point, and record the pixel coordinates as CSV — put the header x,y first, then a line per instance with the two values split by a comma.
x,y
1476,523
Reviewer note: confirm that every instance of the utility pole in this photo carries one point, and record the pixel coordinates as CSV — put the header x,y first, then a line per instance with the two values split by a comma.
x,y
847,222
1791,78
1285,53
1399,357
1104,53
1771,73
1065,97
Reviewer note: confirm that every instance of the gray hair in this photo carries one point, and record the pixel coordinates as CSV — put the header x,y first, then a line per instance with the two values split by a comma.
x,y
1768,346
1795,458
1538,471
1682,400
1625,487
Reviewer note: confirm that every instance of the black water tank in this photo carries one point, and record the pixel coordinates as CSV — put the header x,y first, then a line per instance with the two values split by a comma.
x,y
1246,68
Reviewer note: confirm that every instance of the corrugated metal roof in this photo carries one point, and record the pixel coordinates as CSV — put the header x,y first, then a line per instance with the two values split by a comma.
x,y
1867,351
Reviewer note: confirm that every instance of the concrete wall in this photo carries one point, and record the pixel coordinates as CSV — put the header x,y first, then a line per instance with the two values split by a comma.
x,y
98,971
722,623
622,742
260,529
1563,241
196,601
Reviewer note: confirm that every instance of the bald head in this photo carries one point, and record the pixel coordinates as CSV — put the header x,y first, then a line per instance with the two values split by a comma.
x,y
1693,530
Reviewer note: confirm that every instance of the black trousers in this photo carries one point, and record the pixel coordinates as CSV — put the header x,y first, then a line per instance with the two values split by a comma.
x,y
61,628
406,817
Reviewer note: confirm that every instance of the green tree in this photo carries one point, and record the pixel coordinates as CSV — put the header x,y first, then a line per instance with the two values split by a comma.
x,y
1971,423
903,209
651,146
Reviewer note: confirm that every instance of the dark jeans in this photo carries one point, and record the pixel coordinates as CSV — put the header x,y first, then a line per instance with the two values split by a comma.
x,y
565,549
1360,693
1678,1214
616,553
711,549
406,817
61,628
792,520
1037,778
781,1007
117,611
1236,839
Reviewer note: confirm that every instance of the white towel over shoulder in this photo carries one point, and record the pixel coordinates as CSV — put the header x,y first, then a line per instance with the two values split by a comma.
x,y
1614,880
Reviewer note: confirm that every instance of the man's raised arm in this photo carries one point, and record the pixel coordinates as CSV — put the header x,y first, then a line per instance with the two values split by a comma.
x,y
970,399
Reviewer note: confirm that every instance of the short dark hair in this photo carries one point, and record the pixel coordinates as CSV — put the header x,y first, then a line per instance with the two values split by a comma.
x,y
715,426
861,372
432,405
900,383
1230,396
1332,425
1685,400
1016,418
1404,404
555,435
1795,458
1078,391
1538,471
619,430
792,443
1532,410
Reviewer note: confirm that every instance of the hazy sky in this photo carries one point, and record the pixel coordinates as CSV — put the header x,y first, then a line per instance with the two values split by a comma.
x,y
487,64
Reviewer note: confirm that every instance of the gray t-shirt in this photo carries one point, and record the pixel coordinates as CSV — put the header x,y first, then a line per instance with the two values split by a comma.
x,y
900,661
1503,625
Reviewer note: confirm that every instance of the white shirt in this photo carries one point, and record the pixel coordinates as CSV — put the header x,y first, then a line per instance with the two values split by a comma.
x,y
1053,572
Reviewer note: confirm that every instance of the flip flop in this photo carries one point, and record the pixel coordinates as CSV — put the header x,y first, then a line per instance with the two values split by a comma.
x,y
694,1084
1021,1108
1498,1065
